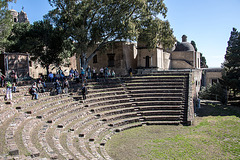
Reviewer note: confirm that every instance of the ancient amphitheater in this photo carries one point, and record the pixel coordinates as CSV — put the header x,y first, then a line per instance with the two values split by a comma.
x,y
66,127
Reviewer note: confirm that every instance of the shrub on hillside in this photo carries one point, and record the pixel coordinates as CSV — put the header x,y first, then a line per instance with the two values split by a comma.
x,y
214,92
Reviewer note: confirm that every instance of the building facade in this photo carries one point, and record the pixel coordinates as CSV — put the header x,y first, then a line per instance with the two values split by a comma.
x,y
121,56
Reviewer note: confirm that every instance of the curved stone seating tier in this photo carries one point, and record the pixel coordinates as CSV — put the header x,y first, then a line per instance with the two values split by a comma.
x,y
145,87
106,93
102,90
66,127
149,83
165,80
13,147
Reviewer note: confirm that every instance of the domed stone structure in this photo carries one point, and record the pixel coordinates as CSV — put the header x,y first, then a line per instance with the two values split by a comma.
x,y
184,45
14,13
20,17
184,56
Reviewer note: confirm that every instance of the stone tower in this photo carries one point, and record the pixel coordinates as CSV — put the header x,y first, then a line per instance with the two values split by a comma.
x,y
19,17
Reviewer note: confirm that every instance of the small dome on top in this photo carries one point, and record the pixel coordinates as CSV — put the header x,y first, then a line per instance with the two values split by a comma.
x,y
13,12
184,45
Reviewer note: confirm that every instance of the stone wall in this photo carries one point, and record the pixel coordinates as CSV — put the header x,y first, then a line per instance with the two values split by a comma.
x,y
35,69
15,61
119,56
211,75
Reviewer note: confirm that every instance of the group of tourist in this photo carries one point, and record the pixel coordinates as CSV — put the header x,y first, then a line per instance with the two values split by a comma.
x,y
82,75
60,81
10,84
40,86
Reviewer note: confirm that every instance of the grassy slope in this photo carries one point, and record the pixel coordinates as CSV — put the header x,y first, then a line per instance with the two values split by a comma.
x,y
214,135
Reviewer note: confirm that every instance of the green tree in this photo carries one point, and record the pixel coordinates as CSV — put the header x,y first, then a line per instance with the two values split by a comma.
x,y
16,42
203,61
5,22
214,92
46,44
232,63
94,23
194,45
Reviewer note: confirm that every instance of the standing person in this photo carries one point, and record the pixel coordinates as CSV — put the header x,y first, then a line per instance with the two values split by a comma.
x,y
2,78
14,77
71,74
82,74
57,87
66,86
8,90
106,73
76,75
113,74
34,91
198,103
50,77
94,73
130,71
89,72
71,71
14,88
101,72
61,74
84,91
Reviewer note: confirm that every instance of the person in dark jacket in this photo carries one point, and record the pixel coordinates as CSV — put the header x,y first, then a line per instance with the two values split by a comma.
x,y
57,85
84,91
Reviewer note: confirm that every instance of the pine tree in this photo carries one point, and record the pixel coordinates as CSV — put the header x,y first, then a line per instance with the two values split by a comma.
x,y
232,62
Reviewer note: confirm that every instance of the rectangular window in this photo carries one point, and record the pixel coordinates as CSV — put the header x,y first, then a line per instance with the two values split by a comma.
x,y
30,63
111,60
95,59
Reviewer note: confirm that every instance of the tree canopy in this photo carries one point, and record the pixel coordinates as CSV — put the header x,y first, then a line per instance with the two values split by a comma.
x,y
45,43
17,40
5,22
232,63
93,23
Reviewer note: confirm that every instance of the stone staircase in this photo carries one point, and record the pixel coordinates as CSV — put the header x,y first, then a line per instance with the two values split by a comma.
x,y
66,127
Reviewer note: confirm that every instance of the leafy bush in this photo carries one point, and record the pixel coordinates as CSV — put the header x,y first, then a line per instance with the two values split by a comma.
x,y
214,92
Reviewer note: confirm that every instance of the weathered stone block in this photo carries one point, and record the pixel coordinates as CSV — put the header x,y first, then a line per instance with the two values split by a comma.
x,y
14,151
81,135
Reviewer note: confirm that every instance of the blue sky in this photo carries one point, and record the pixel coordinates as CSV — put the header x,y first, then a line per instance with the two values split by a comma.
x,y
207,22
